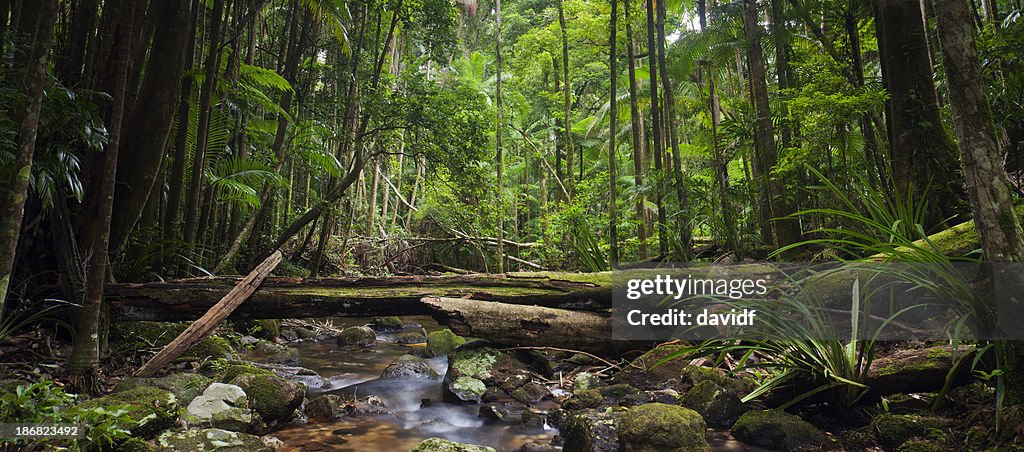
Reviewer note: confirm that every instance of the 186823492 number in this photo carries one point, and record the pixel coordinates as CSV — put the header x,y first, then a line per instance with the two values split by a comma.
x,y
40,431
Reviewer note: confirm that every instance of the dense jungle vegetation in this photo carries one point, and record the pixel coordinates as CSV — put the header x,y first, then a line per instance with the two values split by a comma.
x,y
150,140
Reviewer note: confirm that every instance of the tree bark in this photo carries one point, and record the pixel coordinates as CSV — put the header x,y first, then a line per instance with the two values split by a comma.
x,y
656,128
567,96
923,158
177,176
786,230
613,114
682,188
498,136
14,193
150,120
636,127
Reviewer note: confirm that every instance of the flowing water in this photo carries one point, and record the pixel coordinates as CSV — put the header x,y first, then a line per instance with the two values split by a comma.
x,y
416,408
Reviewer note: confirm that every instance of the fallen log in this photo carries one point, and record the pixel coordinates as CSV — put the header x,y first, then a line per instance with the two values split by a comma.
x,y
201,328
518,325
281,298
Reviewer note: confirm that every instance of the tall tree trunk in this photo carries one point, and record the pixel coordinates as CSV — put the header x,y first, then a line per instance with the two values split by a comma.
x,y
613,212
681,185
501,154
567,97
71,65
656,126
786,230
83,364
150,120
636,127
14,193
177,177
923,157
203,131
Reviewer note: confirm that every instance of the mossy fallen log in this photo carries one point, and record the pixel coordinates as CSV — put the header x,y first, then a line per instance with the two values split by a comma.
x,y
356,297
961,239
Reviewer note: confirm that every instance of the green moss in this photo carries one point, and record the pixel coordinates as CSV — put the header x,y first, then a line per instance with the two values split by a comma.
x,y
468,388
210,439
443,342
648,371
656,427
228,372
135,445
586,398
776,430
360,336
477,362
618,391
922,445
150,409
389,323
268,329
184,386
443,445
287,269
128,338
272,397
891,430
716,404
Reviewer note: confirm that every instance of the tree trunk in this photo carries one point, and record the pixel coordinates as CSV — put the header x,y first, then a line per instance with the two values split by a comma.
x,y
923,158
203,131
84,361
613,114
636,127
177,177
501,154
150,120
567,96
786,230
14,193
681,185
656,117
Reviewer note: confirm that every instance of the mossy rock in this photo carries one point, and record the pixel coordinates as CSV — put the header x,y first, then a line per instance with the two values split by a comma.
x,y
717,405
892,430
135,445
645,372
272,397
410,338
408,366
185,386
276,353
923,445
390,323
618,391
443,342
230,371
210,439
443,445
286,269
327,407
127,338
658,427
776,429
268,329
958,240
150,409
357,336
591,431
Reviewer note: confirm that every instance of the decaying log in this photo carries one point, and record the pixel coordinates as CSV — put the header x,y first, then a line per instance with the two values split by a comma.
x,y
201,328
357,297
519,325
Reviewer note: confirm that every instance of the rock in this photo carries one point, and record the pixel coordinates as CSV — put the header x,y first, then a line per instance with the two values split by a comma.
x,y
184,386
268,329
923,445
443,342
530,392
210,439
443,445
127,338
151,410
276,353
669,396
584,380
133,444
777,430
591,431
314,382
247,340
221,406
231,394
467,389
536,447
717,405
645,373
370,406
493,412
410,338
358,336
892,430
386,324
327,407
274,398
587,398
657,427
532,419
297,333
273,442
408,366
228,372
477,372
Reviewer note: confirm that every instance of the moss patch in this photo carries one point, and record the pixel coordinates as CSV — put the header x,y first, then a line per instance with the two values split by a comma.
x,y
892,430
268,329
660,427
443,342
150,409
776,430
645,372
210,439
274,398
443,445
718,406
184,386
127,338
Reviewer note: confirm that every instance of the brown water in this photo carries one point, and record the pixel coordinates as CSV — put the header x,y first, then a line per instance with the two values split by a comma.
x,y
354,373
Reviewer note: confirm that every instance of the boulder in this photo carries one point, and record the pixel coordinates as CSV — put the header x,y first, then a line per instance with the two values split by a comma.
x,y
386,324
478,372
210,439
645,372
151,410
591,431
717,405
357,336
778,430
221,406
274,398
443,342
583,399
127,338
657,427
184,386
268,329
410,338
275,353
133,444
327,407
443,445
408,366
892,430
